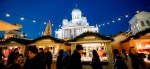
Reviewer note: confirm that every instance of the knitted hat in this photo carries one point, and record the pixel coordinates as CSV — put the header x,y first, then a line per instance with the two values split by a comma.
x,y
79,47
34,50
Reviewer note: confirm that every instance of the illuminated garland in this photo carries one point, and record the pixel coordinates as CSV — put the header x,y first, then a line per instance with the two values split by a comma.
x,y
44,22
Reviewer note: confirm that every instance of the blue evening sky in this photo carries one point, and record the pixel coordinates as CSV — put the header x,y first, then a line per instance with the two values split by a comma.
x,y
98,12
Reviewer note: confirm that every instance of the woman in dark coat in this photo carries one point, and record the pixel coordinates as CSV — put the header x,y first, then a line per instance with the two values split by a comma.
x,y
18,63
59,64
96,64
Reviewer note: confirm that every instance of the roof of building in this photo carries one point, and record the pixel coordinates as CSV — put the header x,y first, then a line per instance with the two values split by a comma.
x,y
91,34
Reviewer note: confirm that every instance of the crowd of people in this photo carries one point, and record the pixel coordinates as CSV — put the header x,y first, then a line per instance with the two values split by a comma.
x,y
42,59
129,60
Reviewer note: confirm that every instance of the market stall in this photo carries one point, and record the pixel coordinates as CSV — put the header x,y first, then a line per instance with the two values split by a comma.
x,y
93,41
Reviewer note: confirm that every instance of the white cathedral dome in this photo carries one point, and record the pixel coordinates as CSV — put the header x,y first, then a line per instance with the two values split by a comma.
x,y
76,13
76,10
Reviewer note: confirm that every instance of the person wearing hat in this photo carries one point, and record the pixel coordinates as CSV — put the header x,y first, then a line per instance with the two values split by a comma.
x,y
18,63
12,56
33,59
75,59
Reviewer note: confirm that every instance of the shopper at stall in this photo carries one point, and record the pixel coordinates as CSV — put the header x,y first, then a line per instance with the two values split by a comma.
x,y
75,59
65,60
1,55
41,54
47,58
59,64
96,63
119,61
124,54
18,63
2,66
136,61
33,59
12,56
148,57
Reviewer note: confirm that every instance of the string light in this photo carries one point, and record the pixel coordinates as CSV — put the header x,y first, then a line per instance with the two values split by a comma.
x,y
137,11
34,21
103,24
44,22
7,14
119,19
22,18
126,16
113,21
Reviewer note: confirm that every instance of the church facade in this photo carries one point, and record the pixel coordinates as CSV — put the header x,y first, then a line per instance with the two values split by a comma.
x,y
76,26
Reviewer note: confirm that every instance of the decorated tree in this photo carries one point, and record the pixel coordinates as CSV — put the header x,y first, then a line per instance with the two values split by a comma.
x,y
48,31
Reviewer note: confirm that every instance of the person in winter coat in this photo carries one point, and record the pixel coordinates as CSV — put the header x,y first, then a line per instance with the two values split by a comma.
x,y
136,61
119,61
33,60
12,56
59,64
47,58
18,63
96,63
65,60
75,58
41,54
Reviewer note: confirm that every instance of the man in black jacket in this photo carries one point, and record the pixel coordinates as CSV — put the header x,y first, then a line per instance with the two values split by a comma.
x,y
33,60
75,59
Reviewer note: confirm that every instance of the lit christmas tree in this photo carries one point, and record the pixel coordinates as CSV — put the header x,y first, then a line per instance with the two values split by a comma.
x,y
48,31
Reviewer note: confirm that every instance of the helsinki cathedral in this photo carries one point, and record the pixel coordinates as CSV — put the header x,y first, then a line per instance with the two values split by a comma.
x,y
75,27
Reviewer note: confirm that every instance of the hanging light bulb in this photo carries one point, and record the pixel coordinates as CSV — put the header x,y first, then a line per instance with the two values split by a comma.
x,y
22,18
113,21
137,11
34,21
126,16
52,24
119,19
103,24
7,14
108,23
44,22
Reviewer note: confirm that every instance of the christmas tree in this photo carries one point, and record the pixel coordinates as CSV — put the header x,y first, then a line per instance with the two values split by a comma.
x,y
48,31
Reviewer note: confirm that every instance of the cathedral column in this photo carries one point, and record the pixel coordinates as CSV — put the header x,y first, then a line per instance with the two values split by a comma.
x,y
72,32
62,33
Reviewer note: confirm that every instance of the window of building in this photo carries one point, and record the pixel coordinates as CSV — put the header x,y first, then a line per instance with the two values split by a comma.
x,y
147,22
142,23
